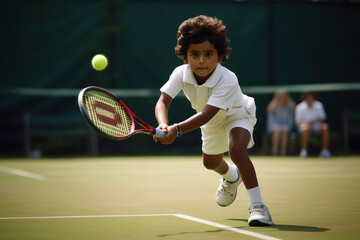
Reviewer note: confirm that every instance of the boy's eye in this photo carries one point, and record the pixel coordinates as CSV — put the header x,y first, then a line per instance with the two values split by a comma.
x,y
209,54
194,54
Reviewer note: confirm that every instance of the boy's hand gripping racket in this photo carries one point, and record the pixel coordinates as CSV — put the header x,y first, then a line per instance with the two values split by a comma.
x,y
110,117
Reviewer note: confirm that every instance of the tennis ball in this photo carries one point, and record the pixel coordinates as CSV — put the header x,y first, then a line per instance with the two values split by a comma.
x,y
99,62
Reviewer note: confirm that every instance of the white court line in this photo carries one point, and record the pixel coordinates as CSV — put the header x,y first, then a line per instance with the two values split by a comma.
x,y
183,216
22,173
91,216
214,224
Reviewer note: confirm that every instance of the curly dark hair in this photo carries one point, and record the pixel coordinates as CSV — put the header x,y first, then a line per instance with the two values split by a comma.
x,y
198,30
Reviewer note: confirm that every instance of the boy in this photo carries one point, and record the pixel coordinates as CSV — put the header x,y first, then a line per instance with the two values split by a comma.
x,y
226,116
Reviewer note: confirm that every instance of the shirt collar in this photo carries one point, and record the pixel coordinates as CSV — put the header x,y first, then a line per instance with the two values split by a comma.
x,y
212,80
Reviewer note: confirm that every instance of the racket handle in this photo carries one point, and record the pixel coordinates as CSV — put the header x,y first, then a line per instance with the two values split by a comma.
x,y
159,133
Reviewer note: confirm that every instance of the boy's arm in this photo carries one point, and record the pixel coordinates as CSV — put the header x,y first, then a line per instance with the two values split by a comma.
x,y
161,111
198,119
192,123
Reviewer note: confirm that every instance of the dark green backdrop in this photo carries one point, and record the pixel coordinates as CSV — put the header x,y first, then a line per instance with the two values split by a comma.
x,y
49,45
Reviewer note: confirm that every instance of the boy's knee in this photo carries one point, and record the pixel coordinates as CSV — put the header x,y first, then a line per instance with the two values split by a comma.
x,y
212,162
237,150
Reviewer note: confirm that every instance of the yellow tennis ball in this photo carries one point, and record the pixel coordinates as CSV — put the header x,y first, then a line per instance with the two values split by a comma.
x,y
99,62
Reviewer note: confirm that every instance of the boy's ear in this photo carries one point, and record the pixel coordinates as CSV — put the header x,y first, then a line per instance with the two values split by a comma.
x,y
185,61
221,59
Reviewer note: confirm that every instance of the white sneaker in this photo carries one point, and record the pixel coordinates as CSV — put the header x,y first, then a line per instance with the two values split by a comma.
x,y
325,153
226,192
303,153
259,215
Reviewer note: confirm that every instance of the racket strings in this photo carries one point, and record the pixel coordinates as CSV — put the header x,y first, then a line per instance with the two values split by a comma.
x,y
107,114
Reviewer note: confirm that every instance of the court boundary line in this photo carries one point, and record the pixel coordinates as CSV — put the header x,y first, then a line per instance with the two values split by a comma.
x,y
181,216
22,173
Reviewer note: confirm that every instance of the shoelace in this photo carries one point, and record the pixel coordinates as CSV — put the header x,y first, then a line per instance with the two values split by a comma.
x,y
225,186
257,209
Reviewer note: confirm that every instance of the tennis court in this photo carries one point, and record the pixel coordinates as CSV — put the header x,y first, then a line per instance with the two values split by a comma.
x,y
171,197
57,193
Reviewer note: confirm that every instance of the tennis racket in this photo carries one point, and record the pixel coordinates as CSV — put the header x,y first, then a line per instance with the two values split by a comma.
x,y
110,117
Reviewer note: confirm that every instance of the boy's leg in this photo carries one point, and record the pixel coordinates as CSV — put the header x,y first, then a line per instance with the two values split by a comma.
x,y
219,165
215,163
259,213
227,189
239,139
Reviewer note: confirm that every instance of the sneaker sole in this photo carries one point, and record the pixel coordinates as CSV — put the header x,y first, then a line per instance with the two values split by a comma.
x,y
257,223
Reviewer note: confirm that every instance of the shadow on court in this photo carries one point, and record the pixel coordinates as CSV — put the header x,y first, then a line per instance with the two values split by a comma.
x,y
280,227
187,233
295,228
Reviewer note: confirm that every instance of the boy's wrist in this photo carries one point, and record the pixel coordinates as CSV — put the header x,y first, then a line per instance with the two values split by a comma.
x,y
178,130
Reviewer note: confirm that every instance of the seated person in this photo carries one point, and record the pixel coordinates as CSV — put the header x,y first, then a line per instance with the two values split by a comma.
x,y
280,120
310,117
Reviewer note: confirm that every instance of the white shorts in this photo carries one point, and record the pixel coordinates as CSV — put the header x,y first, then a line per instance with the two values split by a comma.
x,y
216,140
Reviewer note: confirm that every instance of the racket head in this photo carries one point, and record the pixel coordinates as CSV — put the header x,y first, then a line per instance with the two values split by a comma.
x,y
105,113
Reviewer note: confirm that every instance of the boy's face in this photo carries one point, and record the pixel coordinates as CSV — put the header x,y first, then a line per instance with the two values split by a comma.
x,y
202,59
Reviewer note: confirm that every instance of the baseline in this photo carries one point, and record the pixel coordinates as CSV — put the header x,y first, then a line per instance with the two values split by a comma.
x,y
182,216
22,173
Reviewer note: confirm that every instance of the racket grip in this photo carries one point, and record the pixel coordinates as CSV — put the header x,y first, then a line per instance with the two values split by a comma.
x,y
159,133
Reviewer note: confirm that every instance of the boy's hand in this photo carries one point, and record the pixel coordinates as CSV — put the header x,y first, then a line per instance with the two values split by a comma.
x,y
170,136
163,127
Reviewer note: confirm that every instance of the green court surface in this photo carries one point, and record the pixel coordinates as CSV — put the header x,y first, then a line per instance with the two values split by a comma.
x,y
174,198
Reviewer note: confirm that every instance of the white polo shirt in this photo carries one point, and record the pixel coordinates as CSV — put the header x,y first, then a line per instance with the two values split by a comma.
x,y
309,114
221,90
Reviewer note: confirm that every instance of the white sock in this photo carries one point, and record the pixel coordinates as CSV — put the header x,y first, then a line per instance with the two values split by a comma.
x,y
254,195
232,174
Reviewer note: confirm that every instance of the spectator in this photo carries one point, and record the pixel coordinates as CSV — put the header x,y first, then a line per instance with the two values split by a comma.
x,y
310,117
280,120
